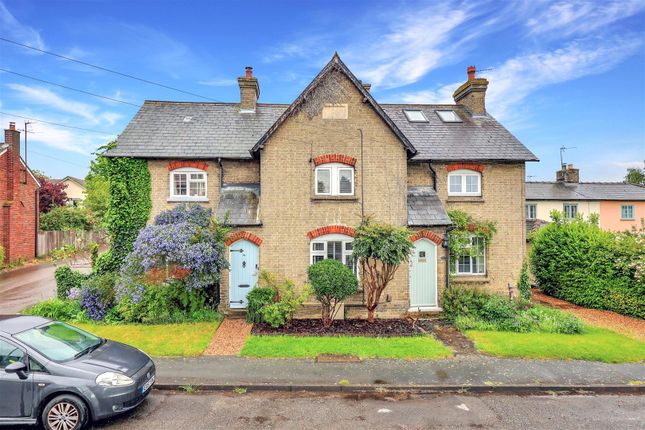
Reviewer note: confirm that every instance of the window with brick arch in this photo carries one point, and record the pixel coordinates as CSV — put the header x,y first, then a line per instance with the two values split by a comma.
x,y
188,184
334,179
464,183
336,246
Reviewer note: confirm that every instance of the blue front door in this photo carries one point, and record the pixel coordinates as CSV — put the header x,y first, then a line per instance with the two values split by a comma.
x,y
423,274
243,274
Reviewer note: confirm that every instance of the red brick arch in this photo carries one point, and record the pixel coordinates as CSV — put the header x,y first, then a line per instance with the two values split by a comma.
x,y
465,166
427,234
246,235
187,163
334,158
331,229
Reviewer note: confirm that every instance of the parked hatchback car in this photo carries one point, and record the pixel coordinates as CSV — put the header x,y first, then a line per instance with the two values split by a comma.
x,y
63,377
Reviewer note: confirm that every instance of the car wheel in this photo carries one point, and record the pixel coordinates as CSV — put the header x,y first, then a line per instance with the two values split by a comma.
x,y
65,412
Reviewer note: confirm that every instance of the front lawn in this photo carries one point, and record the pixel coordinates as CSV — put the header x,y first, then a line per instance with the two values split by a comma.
x,y
594,344
365,347
187,339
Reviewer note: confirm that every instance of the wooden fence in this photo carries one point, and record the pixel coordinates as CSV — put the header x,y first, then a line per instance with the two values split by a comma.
x,y
50,240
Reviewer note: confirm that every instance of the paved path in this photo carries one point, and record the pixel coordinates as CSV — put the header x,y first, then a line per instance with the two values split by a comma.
x,y
25,286
461,370
302,411
230,337
629,326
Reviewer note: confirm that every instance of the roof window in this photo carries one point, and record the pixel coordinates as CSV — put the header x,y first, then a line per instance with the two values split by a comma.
x,y
448,116
415,115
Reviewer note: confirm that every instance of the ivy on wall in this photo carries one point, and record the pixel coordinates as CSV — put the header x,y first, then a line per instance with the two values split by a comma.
x,y
465,226
128,209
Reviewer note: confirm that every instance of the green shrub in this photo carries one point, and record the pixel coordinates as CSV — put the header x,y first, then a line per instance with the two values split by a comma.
x,y
523,285
66,279
256,300
66,218
2,255
56,309
474,309
332,283
287,300
94,253
581,263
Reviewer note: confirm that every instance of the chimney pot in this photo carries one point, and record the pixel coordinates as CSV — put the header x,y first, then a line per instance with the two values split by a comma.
x,y
12,126
249,71
471,73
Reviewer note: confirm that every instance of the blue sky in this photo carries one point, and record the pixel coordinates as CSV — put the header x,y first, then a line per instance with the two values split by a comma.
x,y
561,73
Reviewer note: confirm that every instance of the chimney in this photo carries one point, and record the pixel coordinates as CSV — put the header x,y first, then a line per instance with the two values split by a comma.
x,y
568,174
249,91
12,138
472,93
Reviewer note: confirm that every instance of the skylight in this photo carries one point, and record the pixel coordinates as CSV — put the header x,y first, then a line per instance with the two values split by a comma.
x,y
448,116
415,115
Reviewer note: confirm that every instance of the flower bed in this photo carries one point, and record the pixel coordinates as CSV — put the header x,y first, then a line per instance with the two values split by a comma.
x,y
353,327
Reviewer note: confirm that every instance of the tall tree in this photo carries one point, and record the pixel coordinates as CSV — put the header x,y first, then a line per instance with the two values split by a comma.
x,y
97,186
52,194
635,176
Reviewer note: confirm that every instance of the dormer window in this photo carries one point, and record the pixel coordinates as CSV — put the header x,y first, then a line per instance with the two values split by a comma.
x,y
334,179
415,115
464,183
448,116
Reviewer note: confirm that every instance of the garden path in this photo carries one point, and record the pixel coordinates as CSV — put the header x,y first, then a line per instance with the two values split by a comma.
x,y
629,326
229,338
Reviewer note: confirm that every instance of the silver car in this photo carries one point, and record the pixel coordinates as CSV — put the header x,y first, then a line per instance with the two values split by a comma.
x,y
63,377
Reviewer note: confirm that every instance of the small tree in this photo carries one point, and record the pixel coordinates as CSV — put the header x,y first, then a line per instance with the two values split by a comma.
x,y
52,194
380,249
332,283
635,176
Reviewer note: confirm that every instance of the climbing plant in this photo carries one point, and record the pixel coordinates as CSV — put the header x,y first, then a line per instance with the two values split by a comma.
x,y
465,227
128,208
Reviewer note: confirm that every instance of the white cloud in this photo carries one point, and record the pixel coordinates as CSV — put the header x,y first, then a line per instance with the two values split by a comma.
x,y
18,31
581,17
218,82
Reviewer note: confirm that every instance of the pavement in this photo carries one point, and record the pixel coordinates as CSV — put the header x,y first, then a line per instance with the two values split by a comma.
x,y
26,286
477,373
269,410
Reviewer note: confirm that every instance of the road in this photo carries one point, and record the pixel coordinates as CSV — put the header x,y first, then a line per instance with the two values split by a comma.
x,y
163,410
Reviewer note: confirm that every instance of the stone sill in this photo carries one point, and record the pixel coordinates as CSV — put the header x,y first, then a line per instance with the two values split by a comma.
x,y
335,198
187,200
469,199
470,279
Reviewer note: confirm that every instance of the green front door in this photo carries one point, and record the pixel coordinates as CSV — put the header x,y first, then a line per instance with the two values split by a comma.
x,y
423,274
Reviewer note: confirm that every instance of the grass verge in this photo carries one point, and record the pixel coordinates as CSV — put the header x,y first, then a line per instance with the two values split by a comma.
x,y
188,339
365,347
594,344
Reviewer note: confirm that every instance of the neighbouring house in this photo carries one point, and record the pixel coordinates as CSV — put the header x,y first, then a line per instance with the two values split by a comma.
x,y
619,205
19,199
75,189
294,179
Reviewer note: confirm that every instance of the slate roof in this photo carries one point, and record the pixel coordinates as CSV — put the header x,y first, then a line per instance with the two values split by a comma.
x,y
534,225
240,203
159,130
425,209
478,137
79,181
584,191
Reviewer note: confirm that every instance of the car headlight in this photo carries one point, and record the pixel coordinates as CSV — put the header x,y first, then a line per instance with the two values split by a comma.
x,y
114,379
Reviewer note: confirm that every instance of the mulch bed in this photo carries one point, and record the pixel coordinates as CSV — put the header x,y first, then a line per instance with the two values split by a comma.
x,y
314,327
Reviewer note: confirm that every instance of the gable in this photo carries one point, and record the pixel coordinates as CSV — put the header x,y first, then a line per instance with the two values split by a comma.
x,y
334,66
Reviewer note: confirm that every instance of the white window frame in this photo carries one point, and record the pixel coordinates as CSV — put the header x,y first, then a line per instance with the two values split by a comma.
x,y
334,177
444,113
187,198
622,213
324,240
482,263
531,207
410,112
566,213
464,174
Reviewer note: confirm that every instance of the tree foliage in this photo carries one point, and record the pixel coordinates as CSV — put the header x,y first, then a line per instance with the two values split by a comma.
x,y
67,218
97,186
380,248
332,283
635,176
52,194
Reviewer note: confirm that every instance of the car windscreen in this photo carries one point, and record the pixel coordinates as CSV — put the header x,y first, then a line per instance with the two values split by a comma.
x,y
59,341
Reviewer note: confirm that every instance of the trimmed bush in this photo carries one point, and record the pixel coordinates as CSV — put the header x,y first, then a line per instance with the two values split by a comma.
x,y
579,262
332,283
66,279
256,300
474,309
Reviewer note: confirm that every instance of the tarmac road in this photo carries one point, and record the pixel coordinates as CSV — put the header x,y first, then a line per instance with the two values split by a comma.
x,y
26,286
300,411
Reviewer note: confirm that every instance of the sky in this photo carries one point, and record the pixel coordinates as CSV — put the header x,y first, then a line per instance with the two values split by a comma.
x,y
562,73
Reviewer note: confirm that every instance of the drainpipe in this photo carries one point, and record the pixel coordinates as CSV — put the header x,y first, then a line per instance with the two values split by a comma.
x,y
434,177
221,173
446,241
362,182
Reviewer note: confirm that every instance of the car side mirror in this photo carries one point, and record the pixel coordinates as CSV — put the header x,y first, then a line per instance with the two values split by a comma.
x,y
19,368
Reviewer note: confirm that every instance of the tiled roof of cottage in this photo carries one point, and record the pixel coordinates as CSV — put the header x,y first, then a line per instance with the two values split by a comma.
x,y
239,204
584,191
425,209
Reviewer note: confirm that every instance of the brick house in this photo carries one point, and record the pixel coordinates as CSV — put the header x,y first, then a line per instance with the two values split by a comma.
x,y
19,199
294,180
